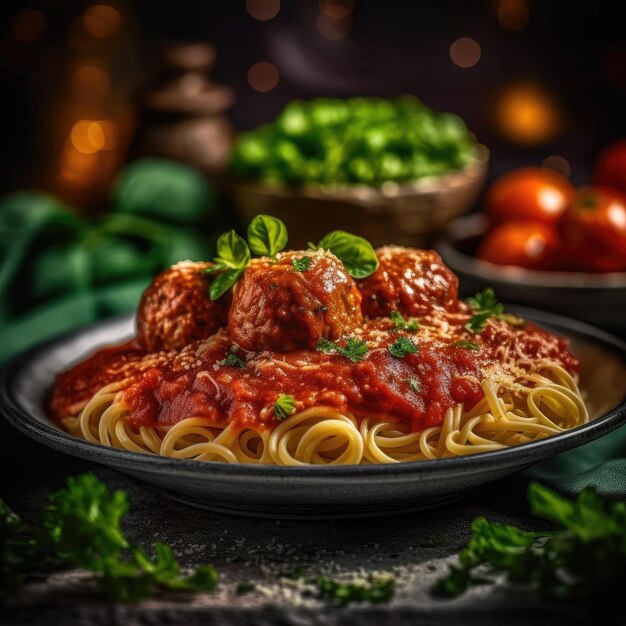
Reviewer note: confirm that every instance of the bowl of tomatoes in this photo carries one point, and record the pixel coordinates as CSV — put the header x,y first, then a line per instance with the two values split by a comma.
x,y
540,241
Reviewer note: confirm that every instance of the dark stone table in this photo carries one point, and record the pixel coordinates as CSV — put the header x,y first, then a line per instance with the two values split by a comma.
x,y
415,548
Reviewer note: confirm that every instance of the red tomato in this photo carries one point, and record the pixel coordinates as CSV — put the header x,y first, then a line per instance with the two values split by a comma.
x,y
531,194
611,166
532,245
594,230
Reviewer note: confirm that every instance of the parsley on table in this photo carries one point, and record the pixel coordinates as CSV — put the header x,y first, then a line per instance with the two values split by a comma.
x,y
583,559
354,349
411,325
375,589
284,406
302,264
81,528
466,344
401,347
245,587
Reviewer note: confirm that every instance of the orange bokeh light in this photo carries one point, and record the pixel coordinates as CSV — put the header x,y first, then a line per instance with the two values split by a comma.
x,y
101,21
513,14
90,81
334,28
527,114
87,136
263,10
337,8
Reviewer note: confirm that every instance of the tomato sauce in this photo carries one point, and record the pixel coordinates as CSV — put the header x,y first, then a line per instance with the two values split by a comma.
x,y
167,387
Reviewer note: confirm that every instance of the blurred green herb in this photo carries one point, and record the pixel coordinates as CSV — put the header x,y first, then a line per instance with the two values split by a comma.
x,y
360,141
375,589
245,587
302,264
401,347
354,349
411,325
583,559
284,406
81,528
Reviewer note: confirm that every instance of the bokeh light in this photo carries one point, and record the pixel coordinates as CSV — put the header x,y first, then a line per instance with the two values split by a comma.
x,y
334,28
527,114
101,21
29,25
90,82
559,164
263,10
263,76
87,136
513,14
337,8
465,52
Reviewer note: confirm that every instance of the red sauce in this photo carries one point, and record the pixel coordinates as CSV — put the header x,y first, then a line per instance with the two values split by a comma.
x,y
418,389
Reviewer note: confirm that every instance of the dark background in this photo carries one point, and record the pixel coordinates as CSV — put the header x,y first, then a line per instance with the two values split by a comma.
x,y
572,56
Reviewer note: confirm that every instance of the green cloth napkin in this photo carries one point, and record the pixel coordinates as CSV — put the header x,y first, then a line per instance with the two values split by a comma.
x,y
600,464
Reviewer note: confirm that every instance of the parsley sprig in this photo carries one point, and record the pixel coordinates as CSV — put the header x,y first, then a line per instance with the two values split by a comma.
x,y
81,528
232,359
583,559
411,325
486,306
401,347
354,349
466,344
302,264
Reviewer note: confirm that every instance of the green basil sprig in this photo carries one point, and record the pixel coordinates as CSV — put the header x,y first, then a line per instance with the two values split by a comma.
x,y
233,256
267,235
356,253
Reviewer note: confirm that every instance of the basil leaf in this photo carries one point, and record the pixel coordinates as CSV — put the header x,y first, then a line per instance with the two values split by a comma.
x,y
267,235
232,251
223,282
356,253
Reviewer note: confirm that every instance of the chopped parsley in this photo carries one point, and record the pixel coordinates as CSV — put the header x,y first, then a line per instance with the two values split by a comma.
x,y
375,589
466,344
401,347
284,406
486,306
411,325
232,360
81,528
355,349
582,560
302,264
414,384
245,587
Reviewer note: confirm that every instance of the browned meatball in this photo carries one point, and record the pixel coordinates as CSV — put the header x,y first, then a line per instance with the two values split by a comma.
x,y
276,307
410,281
176,309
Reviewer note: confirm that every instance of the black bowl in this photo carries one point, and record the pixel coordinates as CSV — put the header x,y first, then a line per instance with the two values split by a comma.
x,y
599,299
310,492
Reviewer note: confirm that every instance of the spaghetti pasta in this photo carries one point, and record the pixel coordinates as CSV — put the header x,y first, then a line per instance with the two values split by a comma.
x,y
540,401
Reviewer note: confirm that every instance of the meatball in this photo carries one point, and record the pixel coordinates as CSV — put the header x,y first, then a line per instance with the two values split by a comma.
x,y
281,305
176,309
410,281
